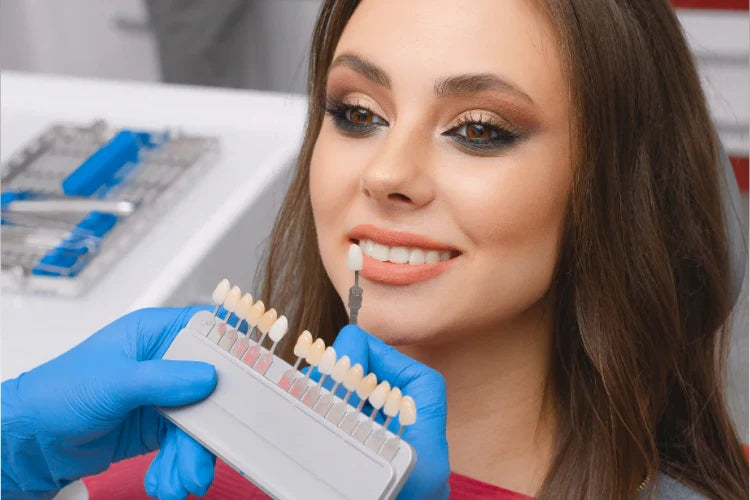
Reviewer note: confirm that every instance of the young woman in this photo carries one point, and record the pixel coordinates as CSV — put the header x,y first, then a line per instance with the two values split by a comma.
x,y
562,153
535,187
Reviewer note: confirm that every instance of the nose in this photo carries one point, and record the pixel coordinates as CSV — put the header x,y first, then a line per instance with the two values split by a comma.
x,y
397,177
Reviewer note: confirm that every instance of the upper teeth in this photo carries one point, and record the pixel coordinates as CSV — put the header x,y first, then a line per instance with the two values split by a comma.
x,y
402,255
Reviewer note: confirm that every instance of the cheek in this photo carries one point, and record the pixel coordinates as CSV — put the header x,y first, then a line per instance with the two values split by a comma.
x,y
334,181
514,216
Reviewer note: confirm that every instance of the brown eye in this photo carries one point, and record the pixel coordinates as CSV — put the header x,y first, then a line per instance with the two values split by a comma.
x,y
476,131
360,115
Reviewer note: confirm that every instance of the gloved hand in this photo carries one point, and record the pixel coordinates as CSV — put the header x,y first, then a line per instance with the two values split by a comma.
x,y
91,406
429,479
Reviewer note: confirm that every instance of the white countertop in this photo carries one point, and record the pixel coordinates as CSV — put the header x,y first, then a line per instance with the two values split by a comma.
x,y
260,133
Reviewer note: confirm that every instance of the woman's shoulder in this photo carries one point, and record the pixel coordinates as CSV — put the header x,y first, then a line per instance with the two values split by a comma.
x,y
669,488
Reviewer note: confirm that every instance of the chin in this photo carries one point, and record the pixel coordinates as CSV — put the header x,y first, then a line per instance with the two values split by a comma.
x,y
398,327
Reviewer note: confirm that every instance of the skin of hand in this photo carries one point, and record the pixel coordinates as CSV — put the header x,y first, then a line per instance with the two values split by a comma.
x,y
429,479
93,405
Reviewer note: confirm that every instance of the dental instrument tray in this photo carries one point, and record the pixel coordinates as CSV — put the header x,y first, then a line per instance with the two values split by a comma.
x,y
76,198
279,428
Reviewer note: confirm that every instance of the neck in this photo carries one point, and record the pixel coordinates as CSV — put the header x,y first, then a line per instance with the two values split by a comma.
x,y
500,418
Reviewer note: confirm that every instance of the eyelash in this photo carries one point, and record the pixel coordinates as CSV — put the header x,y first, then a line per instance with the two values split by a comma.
x,y
341,114
502,137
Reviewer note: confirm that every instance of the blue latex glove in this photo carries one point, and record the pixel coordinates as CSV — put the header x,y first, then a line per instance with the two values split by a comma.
x,y
74,415
429,479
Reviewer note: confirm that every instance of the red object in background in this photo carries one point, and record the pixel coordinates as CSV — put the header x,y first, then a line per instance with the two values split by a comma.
x,y
741,172
712,4
124,481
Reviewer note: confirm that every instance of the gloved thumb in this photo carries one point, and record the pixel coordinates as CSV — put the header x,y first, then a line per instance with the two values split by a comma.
x,y
167,383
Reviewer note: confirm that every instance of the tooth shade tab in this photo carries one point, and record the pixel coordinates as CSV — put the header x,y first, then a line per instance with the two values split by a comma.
x,y
340,369
233,299
366,386
407,412
392,402
302,347
327,361
353,377
267,320
220,292
279,328
315,353
243,306
256,312
379,395
354,259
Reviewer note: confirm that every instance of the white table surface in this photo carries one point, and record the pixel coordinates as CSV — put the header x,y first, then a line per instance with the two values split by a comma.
x,y
259,132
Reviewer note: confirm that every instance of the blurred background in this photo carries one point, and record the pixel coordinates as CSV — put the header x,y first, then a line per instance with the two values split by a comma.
x,y
262,45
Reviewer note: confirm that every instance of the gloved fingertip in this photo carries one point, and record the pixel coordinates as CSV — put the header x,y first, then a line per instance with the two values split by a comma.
x,y
151,485
171,382
195,465
351,330
352,341
151,479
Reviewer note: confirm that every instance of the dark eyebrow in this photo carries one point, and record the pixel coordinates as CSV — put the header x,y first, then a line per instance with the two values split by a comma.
x,y
365,68
456,85
472,83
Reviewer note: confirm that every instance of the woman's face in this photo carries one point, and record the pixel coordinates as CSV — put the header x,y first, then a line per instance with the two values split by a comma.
x,y
446,137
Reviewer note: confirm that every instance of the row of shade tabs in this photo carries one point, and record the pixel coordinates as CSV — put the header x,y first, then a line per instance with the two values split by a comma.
x,y
267,323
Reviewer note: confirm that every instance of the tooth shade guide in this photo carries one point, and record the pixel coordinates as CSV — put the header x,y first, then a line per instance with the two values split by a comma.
x,y
220,294
378,396
218,332
243,308
376,439
313,393
354,258
377,400
256,312
266,322
351,419
286,380
228,339
298,387
340,369
263,363
407,412
392,404
240,347
301,348
325,402
303,424
251,355
231,301
365,387
337,412
280,408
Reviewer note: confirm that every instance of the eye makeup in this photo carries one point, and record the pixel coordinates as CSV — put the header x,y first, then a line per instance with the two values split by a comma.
x,y
473,132
353,119
482,134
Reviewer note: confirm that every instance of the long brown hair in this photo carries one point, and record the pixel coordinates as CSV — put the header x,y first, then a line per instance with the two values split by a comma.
x,y
642,283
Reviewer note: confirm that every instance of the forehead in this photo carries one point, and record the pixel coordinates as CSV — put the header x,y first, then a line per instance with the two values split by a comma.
x,y
417,42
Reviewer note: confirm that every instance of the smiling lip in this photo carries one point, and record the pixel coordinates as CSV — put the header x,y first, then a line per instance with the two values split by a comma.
x,y
399,274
